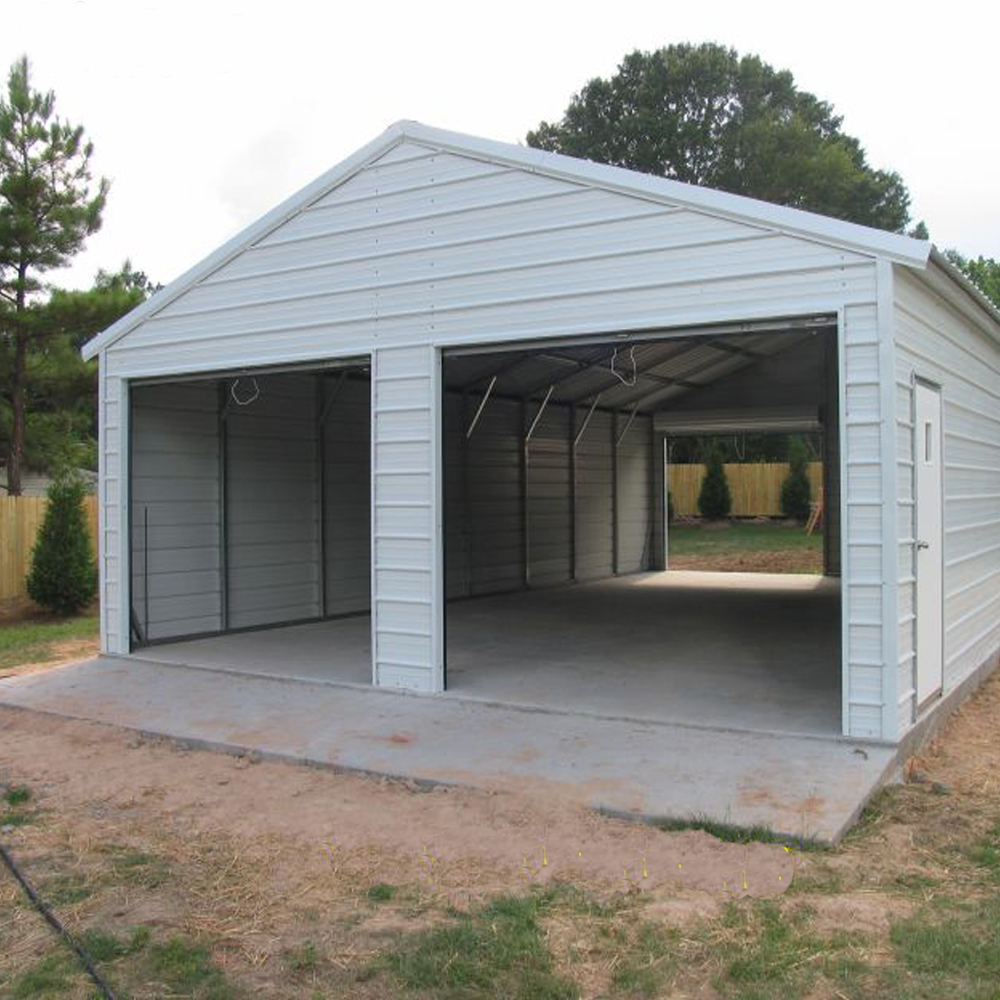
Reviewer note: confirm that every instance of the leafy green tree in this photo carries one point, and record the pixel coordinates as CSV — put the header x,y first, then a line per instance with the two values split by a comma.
x,y
705,115
983,272
714,500
796,490
48,207
59,386
63,574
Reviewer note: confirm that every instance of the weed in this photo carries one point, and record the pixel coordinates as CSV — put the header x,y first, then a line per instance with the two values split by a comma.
x,y
186,967
17,795
382,892
497,951
14,817
67,888
645,962
48,976
986,853
304,958
105,947
139,867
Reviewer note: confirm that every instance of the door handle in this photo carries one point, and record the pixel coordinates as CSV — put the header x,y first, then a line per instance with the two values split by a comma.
x,y
923,545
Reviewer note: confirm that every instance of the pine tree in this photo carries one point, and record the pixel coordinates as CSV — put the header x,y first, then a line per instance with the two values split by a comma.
x,y
48,207
63,573
715,501
796,491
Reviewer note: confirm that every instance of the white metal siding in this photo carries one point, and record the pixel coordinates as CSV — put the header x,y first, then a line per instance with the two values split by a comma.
x,y
862,500
175,509
443,248
425,249
935,341
406,518
113,561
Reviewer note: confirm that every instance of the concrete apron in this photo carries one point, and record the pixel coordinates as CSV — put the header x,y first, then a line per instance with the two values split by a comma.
x,y
797,786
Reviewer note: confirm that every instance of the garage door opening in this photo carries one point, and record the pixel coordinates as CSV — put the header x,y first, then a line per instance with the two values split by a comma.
x,y
558,592
250,522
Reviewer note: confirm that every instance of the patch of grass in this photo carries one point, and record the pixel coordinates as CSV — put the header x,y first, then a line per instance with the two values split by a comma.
x,y
733,833
16,818
185,966
66,888
49,976
105,947
768,954
645,962
17,795
139,868
381,892
496,951
304,958
986,853
31,642
951,951
743,536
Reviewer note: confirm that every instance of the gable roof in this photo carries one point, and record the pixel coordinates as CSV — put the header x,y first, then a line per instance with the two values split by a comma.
x,y
792,221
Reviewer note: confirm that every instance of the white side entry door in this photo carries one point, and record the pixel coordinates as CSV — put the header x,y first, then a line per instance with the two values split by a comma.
x,y
929,542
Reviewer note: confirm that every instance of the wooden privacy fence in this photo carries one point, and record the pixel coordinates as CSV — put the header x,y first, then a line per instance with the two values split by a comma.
x,y
20,519
755,487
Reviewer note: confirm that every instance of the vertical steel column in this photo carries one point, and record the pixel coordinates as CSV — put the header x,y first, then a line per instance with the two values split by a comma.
x,y
222,432
572,491
658,559
466,521
525,539
321,489
614,492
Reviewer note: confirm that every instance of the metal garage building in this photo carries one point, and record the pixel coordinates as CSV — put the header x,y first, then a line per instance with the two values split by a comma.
x,y
446,370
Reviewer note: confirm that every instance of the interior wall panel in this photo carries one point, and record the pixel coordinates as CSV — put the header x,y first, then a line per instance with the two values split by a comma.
x,y
176,588
272,498
346,436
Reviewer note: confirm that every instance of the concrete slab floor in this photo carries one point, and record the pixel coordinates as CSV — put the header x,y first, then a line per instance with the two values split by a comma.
x,y
798,786
745,651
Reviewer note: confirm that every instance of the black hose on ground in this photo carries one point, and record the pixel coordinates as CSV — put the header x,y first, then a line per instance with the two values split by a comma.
x,y
99,981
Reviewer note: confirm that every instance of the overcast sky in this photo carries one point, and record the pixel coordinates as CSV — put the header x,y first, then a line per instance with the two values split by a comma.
x,y
204,115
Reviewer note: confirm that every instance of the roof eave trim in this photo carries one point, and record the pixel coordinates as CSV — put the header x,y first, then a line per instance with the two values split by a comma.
x,y
978,299
244,238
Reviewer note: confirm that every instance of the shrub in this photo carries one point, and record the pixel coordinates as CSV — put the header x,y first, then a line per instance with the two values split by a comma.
x,y
714,501
63,573
796,493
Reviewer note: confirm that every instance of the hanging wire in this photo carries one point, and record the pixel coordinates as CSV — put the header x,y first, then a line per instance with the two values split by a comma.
x,y
249,399
740,446
627,381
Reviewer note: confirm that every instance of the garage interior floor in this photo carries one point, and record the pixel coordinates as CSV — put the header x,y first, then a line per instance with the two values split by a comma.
x,y
741,651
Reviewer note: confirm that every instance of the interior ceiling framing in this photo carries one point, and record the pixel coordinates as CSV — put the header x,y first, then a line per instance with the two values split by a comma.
x,y
646,375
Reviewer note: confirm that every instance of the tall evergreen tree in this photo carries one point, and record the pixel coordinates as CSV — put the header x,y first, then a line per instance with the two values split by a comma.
x,y
49,205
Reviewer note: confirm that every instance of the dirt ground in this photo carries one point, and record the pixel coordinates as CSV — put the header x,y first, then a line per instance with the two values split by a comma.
x,y
280,870
741,561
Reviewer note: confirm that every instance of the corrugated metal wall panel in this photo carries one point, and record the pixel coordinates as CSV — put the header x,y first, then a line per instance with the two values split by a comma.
x,y
862,454
936,342
175,509
548,493
272,496
113,570
347,494
635,492
441,245
595,533
406,553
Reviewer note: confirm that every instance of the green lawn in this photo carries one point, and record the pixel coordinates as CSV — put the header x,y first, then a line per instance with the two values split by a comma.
x,y
33,641
745,545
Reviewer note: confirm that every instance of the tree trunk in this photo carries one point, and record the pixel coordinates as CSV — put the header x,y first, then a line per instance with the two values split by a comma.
x,y
18,378
17,405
